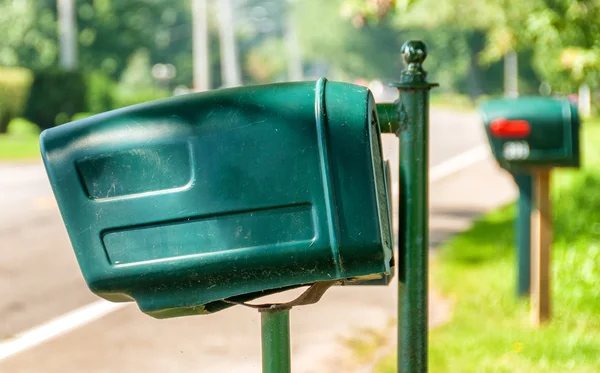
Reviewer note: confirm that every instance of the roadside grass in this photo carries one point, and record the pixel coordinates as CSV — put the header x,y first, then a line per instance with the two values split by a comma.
x,y
365,344
21,142
489,330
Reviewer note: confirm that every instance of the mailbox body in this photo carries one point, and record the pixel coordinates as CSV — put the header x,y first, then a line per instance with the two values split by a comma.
x,y
182,203
544,132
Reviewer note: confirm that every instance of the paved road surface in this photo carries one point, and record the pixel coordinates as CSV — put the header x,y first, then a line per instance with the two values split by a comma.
x,y
40,280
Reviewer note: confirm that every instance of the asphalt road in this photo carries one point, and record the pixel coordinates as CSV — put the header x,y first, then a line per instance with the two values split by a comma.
x,y
40,280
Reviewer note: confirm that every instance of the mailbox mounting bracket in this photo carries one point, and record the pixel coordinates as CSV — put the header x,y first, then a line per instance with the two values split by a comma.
x,y
311,296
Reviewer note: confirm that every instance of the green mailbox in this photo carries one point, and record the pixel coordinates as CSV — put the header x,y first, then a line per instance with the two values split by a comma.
x,y
532,132
190,203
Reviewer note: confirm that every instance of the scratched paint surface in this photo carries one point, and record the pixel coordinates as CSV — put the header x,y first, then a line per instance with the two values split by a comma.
x,y
226,232
135,171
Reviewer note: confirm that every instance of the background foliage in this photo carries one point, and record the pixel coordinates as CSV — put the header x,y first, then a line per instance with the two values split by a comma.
x,y
557,41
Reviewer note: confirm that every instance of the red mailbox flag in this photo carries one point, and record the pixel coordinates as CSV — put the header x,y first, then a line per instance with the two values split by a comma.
x,y
515,128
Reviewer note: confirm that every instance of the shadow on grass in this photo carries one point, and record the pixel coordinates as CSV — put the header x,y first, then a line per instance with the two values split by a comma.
x,y
576,217
490,238
437,235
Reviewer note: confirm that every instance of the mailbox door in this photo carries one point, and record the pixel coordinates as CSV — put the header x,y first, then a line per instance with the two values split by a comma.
x,y
552,138
384,279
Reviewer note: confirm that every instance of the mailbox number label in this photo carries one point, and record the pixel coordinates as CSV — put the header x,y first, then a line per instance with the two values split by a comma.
x,y
515,150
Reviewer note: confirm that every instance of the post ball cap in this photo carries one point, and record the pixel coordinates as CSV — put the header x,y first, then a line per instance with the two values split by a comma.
x,y
414,52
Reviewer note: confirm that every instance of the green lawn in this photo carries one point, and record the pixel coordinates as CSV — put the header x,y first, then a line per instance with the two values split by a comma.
x,y
490,330
21,142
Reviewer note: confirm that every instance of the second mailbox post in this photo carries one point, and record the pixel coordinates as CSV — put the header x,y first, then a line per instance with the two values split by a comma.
x,y
532,135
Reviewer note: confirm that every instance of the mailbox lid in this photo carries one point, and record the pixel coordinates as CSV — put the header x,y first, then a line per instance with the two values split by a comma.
x,y
358,169
386,278
198,163
553,137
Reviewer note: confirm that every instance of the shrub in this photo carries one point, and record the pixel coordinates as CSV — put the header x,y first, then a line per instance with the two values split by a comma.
x,y
577,213
14,89
55,97
79,116
20,127
100,91
127,97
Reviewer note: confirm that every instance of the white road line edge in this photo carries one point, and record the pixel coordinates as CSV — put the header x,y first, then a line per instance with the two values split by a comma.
x,y
101,308
457,163
57,326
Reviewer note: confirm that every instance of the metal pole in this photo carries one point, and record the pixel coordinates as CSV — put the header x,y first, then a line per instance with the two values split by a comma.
x,y
541,242
413,108
200,52
525,185
67,30
230,69
511,75
275,330
523,233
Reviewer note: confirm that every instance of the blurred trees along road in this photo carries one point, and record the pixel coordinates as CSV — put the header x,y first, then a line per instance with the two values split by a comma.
x,y
111,32
559,39
557,42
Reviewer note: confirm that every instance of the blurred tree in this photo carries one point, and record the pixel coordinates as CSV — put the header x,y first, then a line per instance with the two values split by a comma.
x,y
260,28
267,61
349,43
174,44
15,83
28,30
110,31
138,73
563,36
369,51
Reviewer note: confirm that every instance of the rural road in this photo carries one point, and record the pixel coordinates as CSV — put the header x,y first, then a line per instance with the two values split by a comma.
x,y
40,279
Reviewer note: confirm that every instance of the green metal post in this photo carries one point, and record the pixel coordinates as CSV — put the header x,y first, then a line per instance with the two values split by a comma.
x,y
523,233
413,109
275,330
